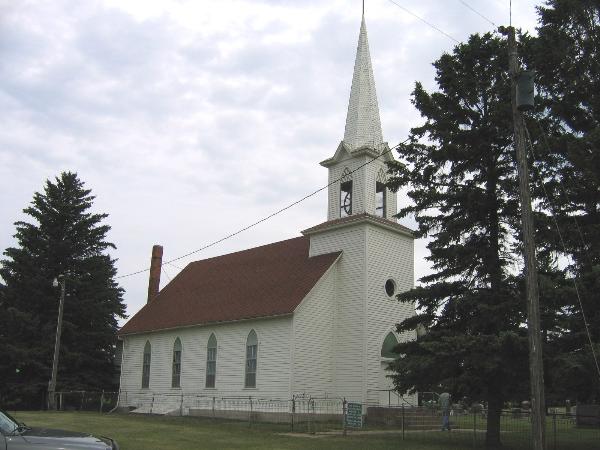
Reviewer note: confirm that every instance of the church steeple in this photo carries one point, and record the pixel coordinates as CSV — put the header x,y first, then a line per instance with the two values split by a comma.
x,y
363,126
357,170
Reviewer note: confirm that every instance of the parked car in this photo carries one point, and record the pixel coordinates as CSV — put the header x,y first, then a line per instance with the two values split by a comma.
x,y
18,436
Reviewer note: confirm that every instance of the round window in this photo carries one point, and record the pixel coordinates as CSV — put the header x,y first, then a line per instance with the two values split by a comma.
x,y
390,287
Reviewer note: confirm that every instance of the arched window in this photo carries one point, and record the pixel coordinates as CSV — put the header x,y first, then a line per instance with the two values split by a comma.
x,y
251,359
346,193
146,365
380,202
176,375
211,361
390,287
389,343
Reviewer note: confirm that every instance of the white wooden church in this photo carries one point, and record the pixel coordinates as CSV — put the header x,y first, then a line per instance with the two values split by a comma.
x,y
311,315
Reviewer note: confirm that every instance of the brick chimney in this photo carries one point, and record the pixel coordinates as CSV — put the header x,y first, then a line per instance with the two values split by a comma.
x,y
155,266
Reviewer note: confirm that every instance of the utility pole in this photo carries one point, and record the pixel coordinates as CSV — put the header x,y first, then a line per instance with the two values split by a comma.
x,y
52,384
536,369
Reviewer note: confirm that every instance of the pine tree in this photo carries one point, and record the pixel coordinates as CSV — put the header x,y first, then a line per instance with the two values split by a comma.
x,y
566,56
460,173
64,238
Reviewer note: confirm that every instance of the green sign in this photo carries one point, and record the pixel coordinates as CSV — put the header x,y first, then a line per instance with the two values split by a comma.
x,y
354,415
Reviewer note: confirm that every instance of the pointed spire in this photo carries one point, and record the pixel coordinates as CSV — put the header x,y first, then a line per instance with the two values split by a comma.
x,y
363,126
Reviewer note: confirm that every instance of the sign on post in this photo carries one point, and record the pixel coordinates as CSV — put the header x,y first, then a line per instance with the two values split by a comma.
x,y
354,415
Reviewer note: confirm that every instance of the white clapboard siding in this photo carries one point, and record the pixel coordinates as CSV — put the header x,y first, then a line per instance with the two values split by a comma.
x,y
331,346
313,334
273,373
389,255
358,186
349,326
363,186
371,171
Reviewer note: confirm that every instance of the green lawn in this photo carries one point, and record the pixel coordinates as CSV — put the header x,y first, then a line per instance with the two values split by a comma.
x,y
137,432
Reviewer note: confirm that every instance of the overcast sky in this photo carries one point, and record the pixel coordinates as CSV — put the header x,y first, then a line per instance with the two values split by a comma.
x,y
190,120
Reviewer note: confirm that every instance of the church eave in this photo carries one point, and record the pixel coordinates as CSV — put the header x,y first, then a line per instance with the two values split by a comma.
x,y
204,324
261,282
359,219
328,162
337,156
364,150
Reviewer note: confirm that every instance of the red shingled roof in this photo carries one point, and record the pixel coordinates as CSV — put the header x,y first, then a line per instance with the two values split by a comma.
x,y
265,281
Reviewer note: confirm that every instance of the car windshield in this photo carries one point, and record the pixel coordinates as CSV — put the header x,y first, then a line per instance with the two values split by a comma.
x,y
7,423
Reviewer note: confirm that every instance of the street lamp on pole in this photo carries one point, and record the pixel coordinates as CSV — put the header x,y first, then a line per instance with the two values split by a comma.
x,y
59,281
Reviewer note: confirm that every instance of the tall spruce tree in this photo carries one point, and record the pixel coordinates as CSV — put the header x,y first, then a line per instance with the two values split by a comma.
x,y
64,238
460,173
566,56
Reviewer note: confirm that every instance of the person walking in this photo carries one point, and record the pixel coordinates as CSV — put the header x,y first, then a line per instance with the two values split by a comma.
x,y
444,402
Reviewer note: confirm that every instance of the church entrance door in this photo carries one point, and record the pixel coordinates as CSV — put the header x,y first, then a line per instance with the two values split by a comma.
x,y
387,396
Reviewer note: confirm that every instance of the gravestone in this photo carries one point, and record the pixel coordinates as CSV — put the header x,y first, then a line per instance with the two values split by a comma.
x,y
588,415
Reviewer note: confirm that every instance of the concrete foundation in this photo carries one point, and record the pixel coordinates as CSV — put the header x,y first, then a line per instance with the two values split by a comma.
x,y
262,416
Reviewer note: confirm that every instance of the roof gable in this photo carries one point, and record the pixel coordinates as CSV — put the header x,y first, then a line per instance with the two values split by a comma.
x,y
344,152
264,281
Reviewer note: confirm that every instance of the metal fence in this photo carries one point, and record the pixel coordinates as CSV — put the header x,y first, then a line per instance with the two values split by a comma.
x,y
302,413
336,416
391,397
100,401
331,415
469,428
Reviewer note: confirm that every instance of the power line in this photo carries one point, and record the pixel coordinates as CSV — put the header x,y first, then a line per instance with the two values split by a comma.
x,y
566,194
177,267
177,286
164,269
564,246
477,12
312,193
264,219
429,24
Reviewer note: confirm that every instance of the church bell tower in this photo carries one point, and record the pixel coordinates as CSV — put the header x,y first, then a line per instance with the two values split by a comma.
x,y
359,161
377,254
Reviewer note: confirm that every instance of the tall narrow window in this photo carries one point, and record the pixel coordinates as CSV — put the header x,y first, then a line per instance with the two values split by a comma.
x,y
211,361
251,359
146,365
346,199
346,193
379,199
176,377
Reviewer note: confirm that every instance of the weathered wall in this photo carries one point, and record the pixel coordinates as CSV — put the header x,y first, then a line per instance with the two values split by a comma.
x,y
313,335
390,255
273,371
349,324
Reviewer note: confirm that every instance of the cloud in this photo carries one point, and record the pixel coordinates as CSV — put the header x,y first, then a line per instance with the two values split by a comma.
x,y
189,120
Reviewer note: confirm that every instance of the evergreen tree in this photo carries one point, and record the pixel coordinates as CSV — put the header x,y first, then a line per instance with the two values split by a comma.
x,y
64,238
566,56
460,173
